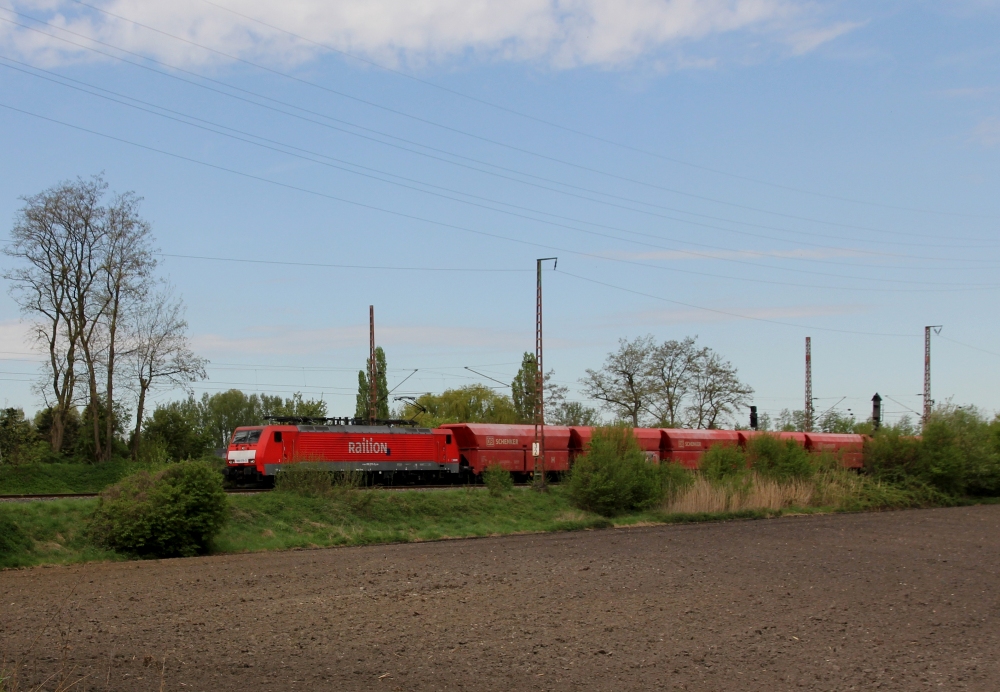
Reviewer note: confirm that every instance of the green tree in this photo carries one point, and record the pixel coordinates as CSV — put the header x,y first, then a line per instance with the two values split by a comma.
x,y
573,413
522,389
178,427
361,409
224,412
71,423
523,395
17,437
296,406
474,403
96,409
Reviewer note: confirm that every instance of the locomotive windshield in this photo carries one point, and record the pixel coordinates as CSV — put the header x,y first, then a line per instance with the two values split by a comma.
x,y
246,437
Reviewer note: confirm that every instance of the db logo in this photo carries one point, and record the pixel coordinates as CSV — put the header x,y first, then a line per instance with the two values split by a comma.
x,y
489,441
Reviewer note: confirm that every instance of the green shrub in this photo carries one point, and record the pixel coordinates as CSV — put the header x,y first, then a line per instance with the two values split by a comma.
x,y
781,460
308,480
175,512
497,479
723,461
13,539
674,479
614,475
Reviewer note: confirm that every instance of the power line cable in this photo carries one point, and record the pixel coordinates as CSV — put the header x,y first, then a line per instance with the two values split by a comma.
x,y
727,313
509,110
571,130
343,266
228,86
974,348
431,221
687,221
418,182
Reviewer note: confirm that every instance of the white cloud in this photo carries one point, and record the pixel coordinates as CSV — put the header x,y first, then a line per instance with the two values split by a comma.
x,y
808,40
987,132
278,340
560,33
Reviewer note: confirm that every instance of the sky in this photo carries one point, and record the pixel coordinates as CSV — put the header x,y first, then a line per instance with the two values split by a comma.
x,y
750,172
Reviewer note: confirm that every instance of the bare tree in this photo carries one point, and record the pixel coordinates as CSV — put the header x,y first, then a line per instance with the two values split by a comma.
x,y
127,272
85,266
54,233
672,368
159,352
623,383
716,391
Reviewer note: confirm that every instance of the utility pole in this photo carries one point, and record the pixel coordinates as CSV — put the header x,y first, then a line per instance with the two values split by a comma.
x,y
928,402
808,422
876,412
538,447
372,369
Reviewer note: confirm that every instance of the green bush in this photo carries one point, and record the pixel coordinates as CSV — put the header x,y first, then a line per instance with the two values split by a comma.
x,y
781,460
957,454
614,476
497,479
674,479
175,512
12,538
723,461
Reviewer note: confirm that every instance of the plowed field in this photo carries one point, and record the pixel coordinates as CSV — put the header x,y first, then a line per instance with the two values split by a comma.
x,y
893,601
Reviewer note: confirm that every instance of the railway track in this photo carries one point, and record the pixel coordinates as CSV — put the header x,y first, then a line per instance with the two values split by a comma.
x,y
239,491
84,496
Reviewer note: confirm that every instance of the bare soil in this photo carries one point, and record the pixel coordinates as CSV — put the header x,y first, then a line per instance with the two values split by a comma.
x,y
893,601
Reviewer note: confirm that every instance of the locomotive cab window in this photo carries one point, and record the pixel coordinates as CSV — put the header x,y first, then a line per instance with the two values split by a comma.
x,y
447,439
254,437
277,436
241,437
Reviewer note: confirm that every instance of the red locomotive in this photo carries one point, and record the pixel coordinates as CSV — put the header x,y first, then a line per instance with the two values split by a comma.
x,y
397,450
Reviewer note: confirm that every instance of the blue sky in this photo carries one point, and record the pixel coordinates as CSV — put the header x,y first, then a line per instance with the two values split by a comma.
x,y
748,171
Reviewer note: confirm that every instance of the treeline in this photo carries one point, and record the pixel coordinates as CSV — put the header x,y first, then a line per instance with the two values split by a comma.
x,y
110,331
187,429
478,403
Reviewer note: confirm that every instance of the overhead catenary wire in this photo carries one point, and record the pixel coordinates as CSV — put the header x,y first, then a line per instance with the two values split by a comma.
x,y
442,224
575,131
229,86
281,145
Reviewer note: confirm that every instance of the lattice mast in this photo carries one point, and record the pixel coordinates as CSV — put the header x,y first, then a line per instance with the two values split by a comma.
x,y
808,422
372,369
927,375
538,448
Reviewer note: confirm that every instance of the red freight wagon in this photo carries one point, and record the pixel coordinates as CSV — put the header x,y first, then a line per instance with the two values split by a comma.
x,y
484,444
848,448
798,437
648,438
579,440
686,447
650,441
256,453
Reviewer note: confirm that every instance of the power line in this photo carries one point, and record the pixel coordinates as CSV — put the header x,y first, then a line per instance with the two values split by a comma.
x,y
493,105
228,86
729,314
340,266
974,348
424,183
418,182
431,221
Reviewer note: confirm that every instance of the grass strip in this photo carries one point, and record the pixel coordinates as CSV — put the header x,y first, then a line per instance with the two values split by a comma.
x,y
50,479
54,532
